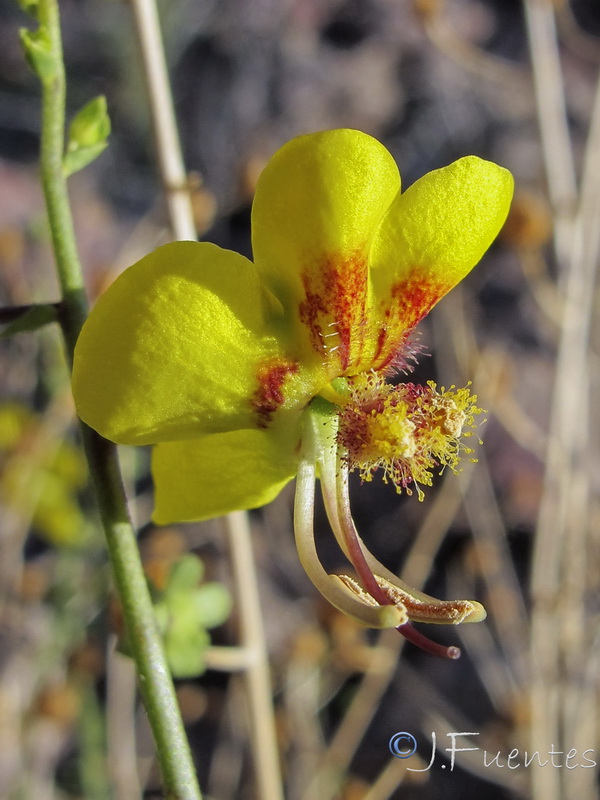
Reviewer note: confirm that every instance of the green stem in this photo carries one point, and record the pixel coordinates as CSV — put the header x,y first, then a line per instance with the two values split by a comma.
x,y
10,314
153,672
54,183
155,681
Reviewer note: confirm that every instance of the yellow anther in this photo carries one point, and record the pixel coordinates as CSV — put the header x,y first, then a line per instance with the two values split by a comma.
x,y
406,430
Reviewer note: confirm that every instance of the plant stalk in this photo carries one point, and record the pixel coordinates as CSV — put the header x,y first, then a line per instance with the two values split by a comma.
x,y
154,678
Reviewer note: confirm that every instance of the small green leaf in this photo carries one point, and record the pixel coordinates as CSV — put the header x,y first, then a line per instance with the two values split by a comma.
x,y
75,160
181,609
29,7
185,653
88,134
90,125
184,611
185,574
39,52
212,603
27,318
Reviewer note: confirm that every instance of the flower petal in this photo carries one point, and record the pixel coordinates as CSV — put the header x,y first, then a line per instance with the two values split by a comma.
x,y
432,236
201,478
317,207
178,347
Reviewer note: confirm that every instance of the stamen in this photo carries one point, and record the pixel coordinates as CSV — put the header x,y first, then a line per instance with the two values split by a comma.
x,y
377,594
422,642
406,629
428,609
407,430
340,595
350,536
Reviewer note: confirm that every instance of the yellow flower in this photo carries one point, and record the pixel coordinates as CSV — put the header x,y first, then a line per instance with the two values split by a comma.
x,y
241,373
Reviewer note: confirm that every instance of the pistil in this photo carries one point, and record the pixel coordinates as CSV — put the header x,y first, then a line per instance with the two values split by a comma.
x,y
376,597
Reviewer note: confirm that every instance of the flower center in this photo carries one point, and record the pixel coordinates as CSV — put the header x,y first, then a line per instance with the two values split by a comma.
x,y
406,430
390,435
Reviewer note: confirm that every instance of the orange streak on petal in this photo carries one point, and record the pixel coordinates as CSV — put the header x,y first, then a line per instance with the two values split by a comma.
x,y
335,306
409,301
270,395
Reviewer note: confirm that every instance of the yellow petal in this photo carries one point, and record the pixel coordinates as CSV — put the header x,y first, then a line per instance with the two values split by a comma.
x,y
178,346
432,236
317,207
202,478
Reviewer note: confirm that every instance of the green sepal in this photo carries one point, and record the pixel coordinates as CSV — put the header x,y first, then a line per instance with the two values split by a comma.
x,y
88,134
323,417
26,318
320,407
39,52
341,386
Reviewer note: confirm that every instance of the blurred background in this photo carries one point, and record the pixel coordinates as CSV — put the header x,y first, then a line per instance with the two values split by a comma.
x,y
513,81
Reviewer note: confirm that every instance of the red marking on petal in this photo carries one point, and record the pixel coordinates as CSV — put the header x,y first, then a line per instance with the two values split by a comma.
x,y
334,309
270,396
415,298
409,302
